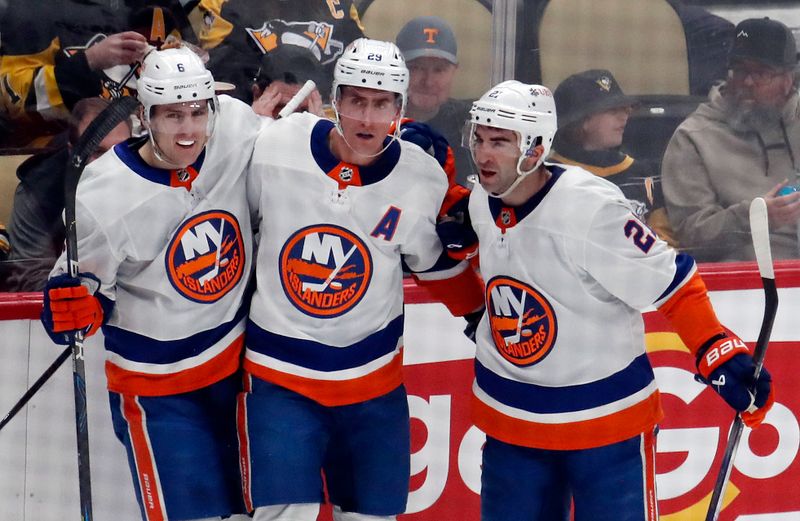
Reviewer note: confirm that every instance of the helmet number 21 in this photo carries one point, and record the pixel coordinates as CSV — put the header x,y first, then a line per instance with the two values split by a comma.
x,y
640,235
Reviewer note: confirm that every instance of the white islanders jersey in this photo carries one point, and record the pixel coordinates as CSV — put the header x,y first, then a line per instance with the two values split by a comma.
x,y
326,319
172,250
561,360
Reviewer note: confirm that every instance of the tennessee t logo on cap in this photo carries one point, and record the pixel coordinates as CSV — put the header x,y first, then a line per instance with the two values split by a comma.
x,y
431,33
429,37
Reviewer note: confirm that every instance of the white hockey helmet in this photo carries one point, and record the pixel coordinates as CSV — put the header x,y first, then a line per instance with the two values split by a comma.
x,y
170,76
176,75
374,64
528,110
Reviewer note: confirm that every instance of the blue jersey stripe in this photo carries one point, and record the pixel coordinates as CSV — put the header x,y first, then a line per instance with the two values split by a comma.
x,y
552,400
323,357
139,348
683,267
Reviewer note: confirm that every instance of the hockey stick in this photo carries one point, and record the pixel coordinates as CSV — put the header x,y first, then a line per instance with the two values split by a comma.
x,y
98,129
35,387
106,121
321,286
297,99
759,229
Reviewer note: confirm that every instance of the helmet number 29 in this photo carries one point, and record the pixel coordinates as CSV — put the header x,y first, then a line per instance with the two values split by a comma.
x,y
375,57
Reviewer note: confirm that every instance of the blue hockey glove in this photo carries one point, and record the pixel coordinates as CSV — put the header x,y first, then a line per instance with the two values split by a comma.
x,y
473,319
425,137
728,367
455,231
70,306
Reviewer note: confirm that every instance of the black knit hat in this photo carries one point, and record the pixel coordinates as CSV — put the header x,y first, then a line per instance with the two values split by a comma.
x,y
587,93
765,40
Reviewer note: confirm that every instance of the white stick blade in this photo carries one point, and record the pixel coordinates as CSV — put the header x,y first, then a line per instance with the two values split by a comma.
x,y
297,99
759,230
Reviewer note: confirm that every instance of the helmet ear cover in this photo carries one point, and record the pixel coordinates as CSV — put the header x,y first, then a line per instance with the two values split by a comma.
x,y
528,110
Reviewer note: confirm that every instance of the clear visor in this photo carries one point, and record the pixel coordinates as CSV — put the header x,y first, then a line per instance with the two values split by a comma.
x,y
192,119
385,109
490,142
179,131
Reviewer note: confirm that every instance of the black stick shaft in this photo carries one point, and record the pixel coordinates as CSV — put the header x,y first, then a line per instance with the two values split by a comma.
x,y
759,230
36,386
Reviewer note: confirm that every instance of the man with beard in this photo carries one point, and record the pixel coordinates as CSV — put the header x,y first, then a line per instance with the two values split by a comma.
x,y
743,143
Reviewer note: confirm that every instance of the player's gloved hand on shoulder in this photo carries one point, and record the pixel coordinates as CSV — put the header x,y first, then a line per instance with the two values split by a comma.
x,y
70,306
728,367
455,231
473,319
425,137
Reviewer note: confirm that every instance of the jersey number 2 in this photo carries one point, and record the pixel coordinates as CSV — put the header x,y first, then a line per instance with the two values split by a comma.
x,y
641,236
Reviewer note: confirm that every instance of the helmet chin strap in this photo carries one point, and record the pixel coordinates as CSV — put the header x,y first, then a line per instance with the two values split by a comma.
x,y
161,155
395,135
521,174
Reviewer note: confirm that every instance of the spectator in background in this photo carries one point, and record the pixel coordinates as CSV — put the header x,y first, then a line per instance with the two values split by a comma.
x,y
708,42
593,112
429,46
240,35
36,228
742,143
282,73
61,54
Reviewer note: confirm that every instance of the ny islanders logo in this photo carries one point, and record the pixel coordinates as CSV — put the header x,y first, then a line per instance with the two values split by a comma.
x,y
325,270
205,259
522,321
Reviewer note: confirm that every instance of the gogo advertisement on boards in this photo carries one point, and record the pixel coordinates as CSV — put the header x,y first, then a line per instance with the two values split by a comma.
x,y
39,477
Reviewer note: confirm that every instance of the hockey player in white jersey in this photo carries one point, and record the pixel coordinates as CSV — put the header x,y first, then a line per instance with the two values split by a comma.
x,y
342,207
563,385
165,241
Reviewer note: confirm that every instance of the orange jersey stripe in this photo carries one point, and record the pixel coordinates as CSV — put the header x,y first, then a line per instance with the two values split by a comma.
x,y
147,479
587,434
148,384
691,315
244,446
649,467
461,294
336,392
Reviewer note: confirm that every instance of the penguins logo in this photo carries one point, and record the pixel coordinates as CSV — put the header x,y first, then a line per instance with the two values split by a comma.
x,y
522,321
205,259
325,270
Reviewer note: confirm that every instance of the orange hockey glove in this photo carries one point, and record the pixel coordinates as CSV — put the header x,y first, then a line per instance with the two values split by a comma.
x,y
69,306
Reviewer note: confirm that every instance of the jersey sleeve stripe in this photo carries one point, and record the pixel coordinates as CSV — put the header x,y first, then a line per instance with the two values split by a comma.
x,y
685,267
462,293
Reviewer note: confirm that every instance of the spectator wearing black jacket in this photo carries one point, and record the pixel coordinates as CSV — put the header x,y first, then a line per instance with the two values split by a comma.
x,y
36,228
